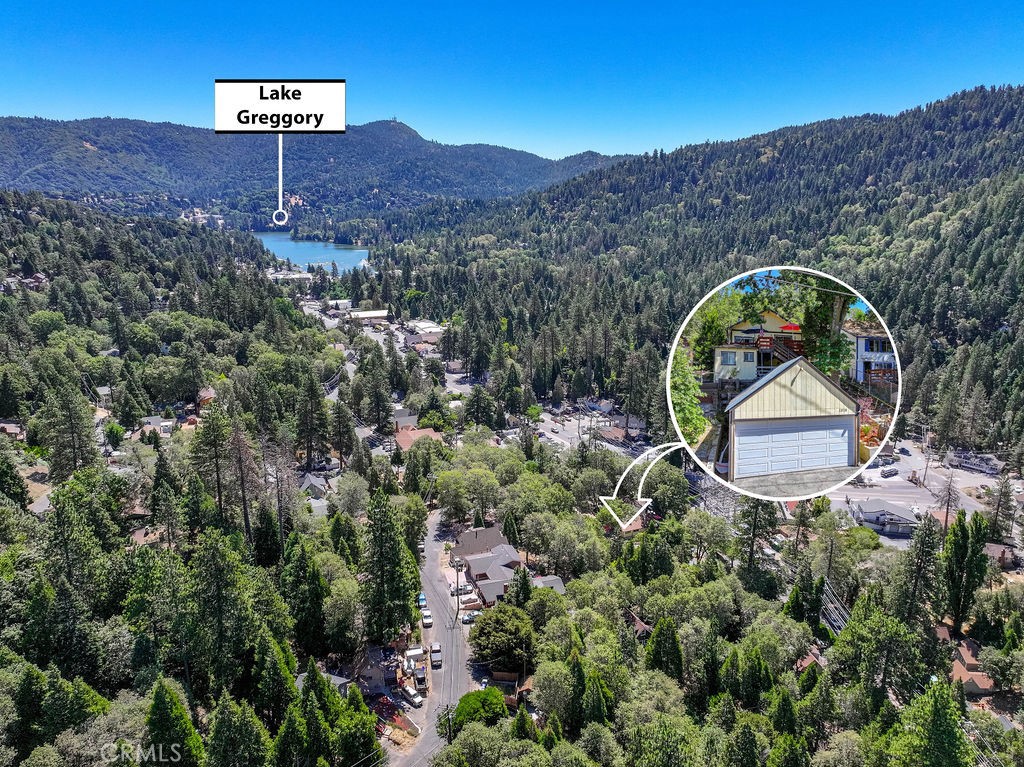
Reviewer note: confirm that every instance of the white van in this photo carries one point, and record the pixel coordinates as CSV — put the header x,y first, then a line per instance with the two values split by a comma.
x,y
412,696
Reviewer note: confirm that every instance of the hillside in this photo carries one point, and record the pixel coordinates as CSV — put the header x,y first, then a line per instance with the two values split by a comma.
x,y
920,211
372,167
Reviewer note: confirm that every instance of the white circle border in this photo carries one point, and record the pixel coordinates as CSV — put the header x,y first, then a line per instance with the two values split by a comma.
x,y
710,471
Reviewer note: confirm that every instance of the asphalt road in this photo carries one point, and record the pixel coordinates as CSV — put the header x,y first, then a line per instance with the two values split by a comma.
x,y
454,679
900,491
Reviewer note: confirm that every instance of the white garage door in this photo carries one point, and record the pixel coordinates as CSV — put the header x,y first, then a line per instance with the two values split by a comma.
x,y
799,444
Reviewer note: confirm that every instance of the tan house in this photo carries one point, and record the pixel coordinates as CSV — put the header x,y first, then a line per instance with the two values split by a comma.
x,y
753,349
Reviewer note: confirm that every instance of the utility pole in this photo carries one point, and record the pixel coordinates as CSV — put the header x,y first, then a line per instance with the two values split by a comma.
x,y
927,454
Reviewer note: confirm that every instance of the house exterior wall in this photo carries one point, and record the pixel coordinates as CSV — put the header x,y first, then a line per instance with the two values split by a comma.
x,y
862,355
797,393
743,370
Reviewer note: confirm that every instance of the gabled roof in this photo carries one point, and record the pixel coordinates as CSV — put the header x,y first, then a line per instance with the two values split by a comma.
x,y
804,364
311,480
879,506
761,316
477,540
864,328
497,564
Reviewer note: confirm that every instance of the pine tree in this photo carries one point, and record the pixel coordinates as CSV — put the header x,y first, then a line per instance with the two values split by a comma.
x,y
731,674
915,585
523,727
574,715
782,712
210,455
757,522
745,752
392,575
291,743
304,589
817,711
789,751
218,590
520,589
510,529
66,430
964,564
312,421
197,506
67,704
245,474
12,486
929,732
318,694
24,733
663,650
755,678
169,730
595,706
273,682
166,512
237,737
10,401
263,408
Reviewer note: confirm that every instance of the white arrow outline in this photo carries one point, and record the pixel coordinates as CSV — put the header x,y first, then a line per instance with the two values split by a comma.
x,y
643,503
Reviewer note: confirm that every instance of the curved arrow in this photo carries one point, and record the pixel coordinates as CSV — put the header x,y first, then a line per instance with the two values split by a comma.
x,y
642,503
643,477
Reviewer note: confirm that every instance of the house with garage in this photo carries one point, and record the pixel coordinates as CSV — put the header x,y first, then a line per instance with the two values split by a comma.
x,y
754,349
873,355
793,419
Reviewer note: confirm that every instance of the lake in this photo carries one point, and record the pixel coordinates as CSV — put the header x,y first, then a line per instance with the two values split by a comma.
x,y
306,252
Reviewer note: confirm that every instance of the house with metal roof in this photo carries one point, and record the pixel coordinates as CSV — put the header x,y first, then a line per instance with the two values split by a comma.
x,y
794,419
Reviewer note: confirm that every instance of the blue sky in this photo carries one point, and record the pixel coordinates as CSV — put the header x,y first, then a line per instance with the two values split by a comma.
x,y
552,78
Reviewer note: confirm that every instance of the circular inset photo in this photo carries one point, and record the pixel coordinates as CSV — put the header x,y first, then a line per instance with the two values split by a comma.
x,y
784,383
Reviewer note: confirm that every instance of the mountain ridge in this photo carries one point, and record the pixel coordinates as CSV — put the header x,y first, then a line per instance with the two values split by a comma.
x,y
375,166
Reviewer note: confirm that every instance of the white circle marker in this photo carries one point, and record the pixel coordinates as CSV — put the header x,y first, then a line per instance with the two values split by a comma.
x,y
710,470
280,217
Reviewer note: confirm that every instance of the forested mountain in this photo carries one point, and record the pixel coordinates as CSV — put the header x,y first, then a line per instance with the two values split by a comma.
x,y
920,211
370,168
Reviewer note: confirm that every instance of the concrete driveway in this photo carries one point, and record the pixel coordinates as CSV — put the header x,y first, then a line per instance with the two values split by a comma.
x,y
795,484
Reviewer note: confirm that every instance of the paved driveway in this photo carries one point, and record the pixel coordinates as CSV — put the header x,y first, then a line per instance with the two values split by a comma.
x,y
794,484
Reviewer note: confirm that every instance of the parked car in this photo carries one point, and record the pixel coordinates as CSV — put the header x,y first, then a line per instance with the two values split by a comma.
x,y
890,471
451,588
412,696
435,655
471,616
465,588
422,548
421,600
428,618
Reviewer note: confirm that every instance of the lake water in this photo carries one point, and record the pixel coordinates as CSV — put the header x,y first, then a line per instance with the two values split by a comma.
x,y
307,252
